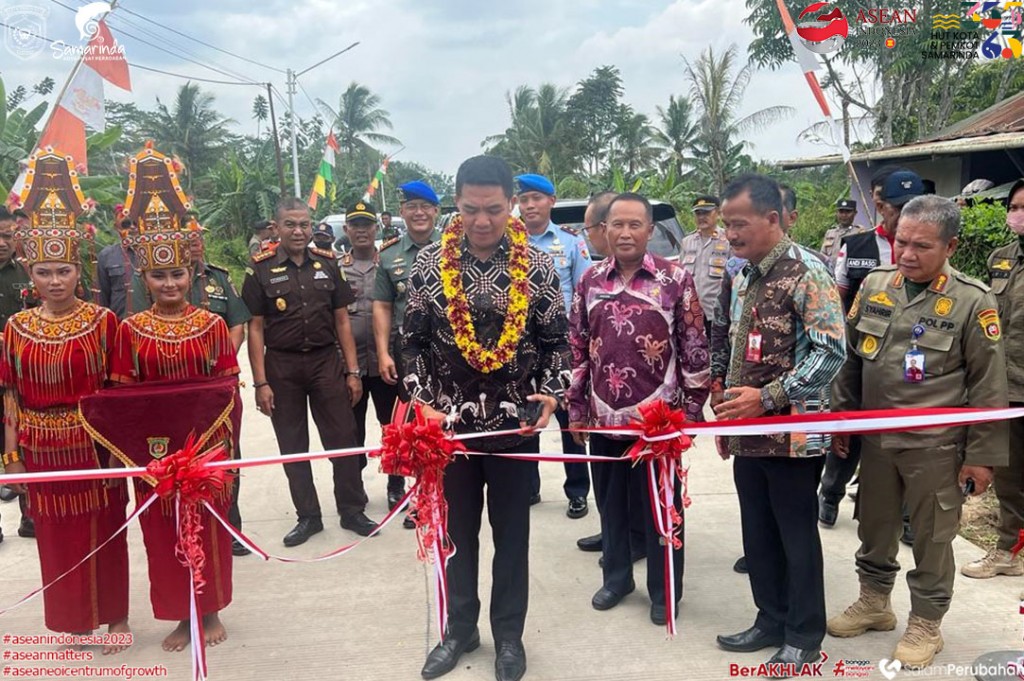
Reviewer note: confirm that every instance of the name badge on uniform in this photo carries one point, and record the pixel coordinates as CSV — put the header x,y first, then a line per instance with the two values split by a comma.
x,y
754,343
281,279
320,274
913,361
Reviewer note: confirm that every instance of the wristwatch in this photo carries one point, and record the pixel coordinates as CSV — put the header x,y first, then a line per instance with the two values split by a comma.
x,y
357,373
767,401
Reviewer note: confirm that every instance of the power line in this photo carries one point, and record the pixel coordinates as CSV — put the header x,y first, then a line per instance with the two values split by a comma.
x,y
166,50
197,40
140,66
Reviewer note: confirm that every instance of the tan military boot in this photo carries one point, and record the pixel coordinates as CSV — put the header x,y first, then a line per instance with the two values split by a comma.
x,y
871,611
920,643
995,562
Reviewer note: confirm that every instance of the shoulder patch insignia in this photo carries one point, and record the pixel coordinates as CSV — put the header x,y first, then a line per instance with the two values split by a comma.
x,y
943,306
854,307
989,320
569,230
389,243
216,267
263,255
897,281
1004,265
882,298
939,285
322,252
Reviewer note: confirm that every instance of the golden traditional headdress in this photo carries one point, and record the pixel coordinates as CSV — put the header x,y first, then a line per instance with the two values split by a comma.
x,y
159,208
52,197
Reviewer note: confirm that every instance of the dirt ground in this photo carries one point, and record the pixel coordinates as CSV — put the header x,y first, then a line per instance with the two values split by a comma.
x,y
978,524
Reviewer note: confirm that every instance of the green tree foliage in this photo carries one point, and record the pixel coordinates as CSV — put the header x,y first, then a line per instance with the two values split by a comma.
x,y
593,111
192,129
537,140
678,133
717,88
984,229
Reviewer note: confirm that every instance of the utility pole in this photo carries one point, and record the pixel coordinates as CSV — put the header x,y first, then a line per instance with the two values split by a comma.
x,y
295,144
292,85
277,142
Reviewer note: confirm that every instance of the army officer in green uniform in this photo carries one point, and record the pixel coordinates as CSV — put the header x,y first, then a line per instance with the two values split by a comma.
x,y
920,335
419,211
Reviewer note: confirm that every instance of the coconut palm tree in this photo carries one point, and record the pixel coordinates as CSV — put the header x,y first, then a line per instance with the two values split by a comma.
x,y
536,140
358,119
636,147
677,134
716,93
192,130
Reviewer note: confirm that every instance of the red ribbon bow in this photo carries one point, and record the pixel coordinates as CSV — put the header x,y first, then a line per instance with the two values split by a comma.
x,y
422,449
184,475
659,420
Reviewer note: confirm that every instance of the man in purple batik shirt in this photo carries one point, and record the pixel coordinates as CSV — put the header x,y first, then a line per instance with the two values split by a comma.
x,y
637,335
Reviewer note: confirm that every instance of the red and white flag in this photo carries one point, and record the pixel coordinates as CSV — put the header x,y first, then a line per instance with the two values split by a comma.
x,y
82,103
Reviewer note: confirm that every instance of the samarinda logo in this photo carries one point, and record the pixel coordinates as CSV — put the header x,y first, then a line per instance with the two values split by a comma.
x,y
87,19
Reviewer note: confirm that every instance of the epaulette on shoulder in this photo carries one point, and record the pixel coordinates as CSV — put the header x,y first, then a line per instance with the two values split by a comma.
x,y
886,268
216,267
323,253
390,242
569,230
971,281
263,255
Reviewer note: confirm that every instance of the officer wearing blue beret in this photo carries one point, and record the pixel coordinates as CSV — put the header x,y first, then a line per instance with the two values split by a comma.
x,y
536,195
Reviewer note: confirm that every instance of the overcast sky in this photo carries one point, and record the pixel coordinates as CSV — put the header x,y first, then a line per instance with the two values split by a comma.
x,y
441,68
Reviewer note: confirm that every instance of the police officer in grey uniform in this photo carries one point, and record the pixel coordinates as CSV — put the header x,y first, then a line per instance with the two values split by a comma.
x,y
568,250
920,334
705,253
846,213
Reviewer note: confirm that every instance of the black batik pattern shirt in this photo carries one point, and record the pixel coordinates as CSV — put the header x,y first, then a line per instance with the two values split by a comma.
x,y
439,375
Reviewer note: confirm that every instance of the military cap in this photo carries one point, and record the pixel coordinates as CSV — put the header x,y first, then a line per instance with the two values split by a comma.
x,y
846,204
418,189
531,182
704,202
324,228
361,209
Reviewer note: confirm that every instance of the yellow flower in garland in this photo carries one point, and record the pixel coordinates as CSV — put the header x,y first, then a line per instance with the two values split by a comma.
x,y
477,356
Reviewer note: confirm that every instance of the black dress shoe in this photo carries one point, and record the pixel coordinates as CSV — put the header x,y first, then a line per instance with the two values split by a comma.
x,y
239,549
908,533
740,565
394,498
658,613
7,494
793,660
534,499
633,556
360,524
606,599
445,655
591,543
828,512
577,508
510,662
27,528
303,530
409,523
749,641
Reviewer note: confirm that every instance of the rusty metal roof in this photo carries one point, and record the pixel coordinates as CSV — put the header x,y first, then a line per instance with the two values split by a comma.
x,y
1004,116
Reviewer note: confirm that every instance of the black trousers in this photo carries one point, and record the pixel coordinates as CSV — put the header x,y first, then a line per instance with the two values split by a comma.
x,y
622,486
315,381
384,395
839,472
508,510
779,515
577,477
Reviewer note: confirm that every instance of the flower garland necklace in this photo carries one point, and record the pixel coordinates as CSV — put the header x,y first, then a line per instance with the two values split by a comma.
x,y
480,358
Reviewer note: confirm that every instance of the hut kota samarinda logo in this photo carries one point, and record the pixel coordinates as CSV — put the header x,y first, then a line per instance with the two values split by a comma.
x,y
822,28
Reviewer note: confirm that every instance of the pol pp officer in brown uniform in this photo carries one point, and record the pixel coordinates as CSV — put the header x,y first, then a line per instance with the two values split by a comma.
x,y
299,300
920,335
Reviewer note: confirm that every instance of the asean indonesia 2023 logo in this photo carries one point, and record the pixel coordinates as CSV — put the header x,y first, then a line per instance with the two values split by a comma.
x,y
822,28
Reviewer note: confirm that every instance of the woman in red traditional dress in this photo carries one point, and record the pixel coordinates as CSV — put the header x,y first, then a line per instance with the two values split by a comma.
x,y
174,340
53,355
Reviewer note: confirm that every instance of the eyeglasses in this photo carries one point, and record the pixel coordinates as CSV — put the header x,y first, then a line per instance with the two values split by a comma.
x,y
587,228
417,206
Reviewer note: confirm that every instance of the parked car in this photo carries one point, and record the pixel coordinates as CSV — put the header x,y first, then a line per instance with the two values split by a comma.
x,y
668,233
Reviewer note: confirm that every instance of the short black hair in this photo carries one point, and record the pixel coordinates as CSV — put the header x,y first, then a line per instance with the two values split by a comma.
x,y
386,212
5,214
765,193
289,203
882,174
260,225
602,202
788,197
633,196
484,170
